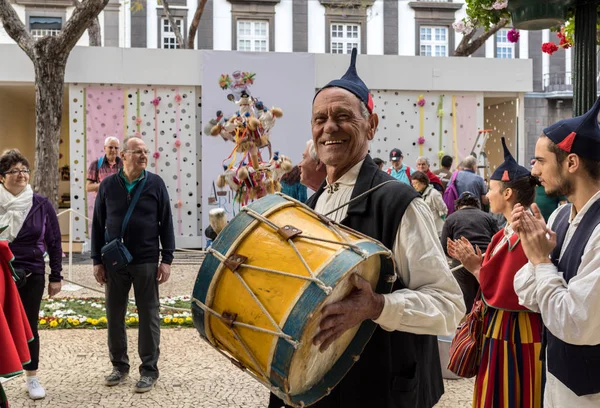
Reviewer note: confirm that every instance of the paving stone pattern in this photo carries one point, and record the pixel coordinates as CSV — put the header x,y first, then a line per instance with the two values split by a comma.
x,y
74,363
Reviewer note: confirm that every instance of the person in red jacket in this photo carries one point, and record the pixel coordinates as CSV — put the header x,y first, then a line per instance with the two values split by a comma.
x,y
423,167
510,374
15,332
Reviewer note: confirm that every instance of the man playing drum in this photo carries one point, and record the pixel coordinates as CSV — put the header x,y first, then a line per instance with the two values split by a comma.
x,y
400,366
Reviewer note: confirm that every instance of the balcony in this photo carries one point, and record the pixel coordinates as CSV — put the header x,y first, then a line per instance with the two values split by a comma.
x,y
38,33
558,82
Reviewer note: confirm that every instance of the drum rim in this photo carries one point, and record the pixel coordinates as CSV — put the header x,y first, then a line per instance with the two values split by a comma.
x,y
296,321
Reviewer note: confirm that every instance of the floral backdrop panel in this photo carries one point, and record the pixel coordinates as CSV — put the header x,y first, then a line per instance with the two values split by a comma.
x,y
164,117
430,124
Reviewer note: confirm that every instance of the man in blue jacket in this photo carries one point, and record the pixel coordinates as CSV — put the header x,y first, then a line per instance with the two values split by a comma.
x,y
150,222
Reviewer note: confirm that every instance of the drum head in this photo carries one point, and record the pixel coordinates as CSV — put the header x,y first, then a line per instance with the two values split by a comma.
x,y
309,365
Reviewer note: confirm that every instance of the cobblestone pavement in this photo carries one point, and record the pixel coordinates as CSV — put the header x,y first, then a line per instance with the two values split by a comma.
x,y
74,362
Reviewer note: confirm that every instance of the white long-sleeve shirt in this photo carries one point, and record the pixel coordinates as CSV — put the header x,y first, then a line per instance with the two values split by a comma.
x,y
432,302
570,311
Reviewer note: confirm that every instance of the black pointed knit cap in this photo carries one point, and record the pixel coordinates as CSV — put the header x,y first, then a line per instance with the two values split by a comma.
x,y
579,135
509,170
352,82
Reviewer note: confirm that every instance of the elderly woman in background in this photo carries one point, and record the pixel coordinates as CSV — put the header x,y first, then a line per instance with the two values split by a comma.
x,y
432,197
31,230
475,225
290,185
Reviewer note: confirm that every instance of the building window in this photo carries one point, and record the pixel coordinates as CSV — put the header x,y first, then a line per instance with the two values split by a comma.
x,y
344,37
433,41
504,48
169,40
40,27
252,36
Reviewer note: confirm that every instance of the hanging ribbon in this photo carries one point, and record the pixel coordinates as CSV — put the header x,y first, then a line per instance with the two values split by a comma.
x,y
156,154
421,140
125,104
138,116
178,147
441,116
454,133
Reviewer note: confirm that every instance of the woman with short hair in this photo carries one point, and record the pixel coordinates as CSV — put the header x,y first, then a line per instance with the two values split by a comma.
x,y
433,198
31,230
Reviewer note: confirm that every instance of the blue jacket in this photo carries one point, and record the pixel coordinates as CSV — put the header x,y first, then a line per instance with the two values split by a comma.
x,y
40,233
150,221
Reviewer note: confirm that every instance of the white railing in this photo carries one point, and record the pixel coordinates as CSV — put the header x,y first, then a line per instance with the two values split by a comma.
x,y
38,33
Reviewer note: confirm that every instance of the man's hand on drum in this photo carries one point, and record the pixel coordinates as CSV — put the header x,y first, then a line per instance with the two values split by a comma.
x,y
361,304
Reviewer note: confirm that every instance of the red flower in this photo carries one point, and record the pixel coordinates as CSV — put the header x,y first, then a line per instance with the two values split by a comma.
x,y
549,48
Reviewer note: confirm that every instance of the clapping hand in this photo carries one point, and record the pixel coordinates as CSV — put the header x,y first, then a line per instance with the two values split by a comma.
x,y
463,251
537,239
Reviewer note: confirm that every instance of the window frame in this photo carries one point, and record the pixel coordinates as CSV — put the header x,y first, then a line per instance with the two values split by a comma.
x,y
344,40
433,43
252,38
170,35
501,34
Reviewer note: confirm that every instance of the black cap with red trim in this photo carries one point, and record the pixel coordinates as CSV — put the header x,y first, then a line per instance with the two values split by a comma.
x,y
579,135
509,170
352,82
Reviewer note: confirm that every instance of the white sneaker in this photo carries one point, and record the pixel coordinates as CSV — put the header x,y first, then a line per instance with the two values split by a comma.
x,y
36,391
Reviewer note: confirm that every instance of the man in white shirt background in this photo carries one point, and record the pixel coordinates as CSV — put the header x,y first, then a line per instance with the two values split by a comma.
x,y
400,365
562,278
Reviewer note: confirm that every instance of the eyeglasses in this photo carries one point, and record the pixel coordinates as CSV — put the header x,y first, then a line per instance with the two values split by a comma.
x,y
17,171
140,151
113,147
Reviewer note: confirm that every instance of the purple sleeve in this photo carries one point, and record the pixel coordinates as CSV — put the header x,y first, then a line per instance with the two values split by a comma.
x,y
52,239
92,174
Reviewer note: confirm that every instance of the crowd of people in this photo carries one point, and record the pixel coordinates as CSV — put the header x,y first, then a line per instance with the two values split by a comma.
x,y
536,276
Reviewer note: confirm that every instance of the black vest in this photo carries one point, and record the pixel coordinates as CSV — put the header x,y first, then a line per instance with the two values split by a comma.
x,y
396,369
577,367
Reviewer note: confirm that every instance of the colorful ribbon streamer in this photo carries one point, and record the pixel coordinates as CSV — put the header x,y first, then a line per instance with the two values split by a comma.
x,y
454,133
125,118
178,146
441,116
155,133
421,127
137,117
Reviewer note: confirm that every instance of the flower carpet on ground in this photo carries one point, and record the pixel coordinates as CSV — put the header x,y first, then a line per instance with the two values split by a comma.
x,y
67,313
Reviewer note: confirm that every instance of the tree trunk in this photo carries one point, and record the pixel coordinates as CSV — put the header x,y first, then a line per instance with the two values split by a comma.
x,y
195,22
468,47
95,33
49,94
174,27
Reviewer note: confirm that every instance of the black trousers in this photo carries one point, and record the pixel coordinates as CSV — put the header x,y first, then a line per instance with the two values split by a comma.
x,y
145,287
31,297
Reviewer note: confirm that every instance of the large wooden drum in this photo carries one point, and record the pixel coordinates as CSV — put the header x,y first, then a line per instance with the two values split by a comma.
x,y
260,290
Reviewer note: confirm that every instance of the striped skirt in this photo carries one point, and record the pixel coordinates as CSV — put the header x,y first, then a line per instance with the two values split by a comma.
x,y
510,374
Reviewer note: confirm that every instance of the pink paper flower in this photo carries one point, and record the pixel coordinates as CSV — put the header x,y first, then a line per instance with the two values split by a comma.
x,y
156,155
179,204
178,98
155,101
421,100
177,142
513,36
138,134
421,140
138,121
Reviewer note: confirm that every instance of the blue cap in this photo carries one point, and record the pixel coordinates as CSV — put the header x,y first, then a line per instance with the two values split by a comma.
x,y
352,82
510,170
579,135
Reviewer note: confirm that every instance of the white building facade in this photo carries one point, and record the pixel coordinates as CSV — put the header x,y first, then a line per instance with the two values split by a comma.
x,y
375,27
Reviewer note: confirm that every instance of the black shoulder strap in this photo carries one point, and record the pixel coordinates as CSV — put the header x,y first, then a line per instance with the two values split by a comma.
x,y
134,200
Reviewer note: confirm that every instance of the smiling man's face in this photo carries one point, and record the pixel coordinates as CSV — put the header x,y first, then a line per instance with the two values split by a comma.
x,y
340,131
